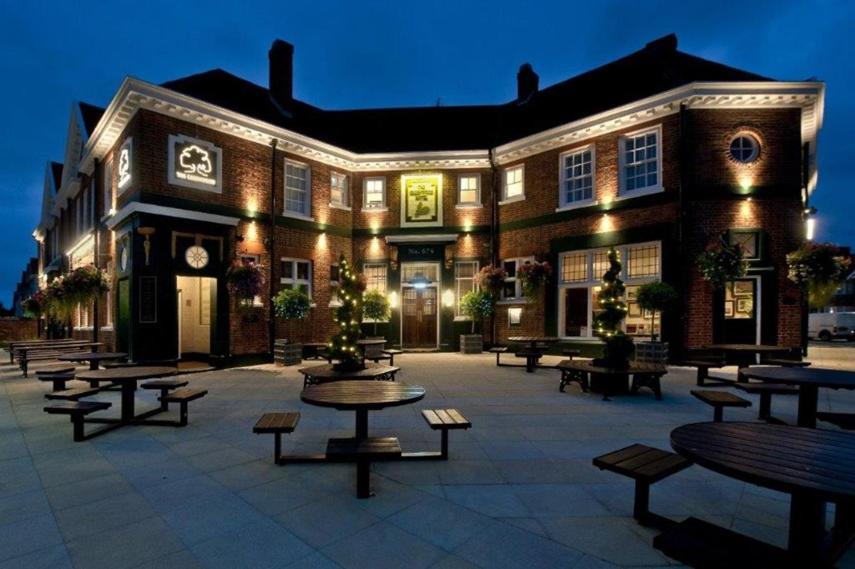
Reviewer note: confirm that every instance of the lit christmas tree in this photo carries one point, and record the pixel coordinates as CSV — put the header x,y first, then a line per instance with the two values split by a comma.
x,y
348,317
607,323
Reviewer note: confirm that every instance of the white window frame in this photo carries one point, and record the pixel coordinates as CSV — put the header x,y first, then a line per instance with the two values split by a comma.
x,y
174,180
470,204
345,203
457,296
505,198
518,297
595,280
623,193
307,213
563,204
294,280
385,205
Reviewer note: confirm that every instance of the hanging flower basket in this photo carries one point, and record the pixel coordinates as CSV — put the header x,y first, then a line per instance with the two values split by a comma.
x,y
820,269
80,286
491,279
722,263
245,280
35,305
532,277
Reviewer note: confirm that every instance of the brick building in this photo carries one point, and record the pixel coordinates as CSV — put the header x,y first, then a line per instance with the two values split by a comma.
x,y
659,153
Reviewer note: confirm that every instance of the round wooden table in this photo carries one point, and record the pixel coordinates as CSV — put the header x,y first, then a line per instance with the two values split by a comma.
x,y
128,377
362,396
809,380
94,358
327,373
813,466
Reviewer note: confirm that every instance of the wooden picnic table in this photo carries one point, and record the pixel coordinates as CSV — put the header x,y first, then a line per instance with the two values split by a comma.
x,y
745,355
128,377
534,350
328,373
809,380
813,466
94,358
609,381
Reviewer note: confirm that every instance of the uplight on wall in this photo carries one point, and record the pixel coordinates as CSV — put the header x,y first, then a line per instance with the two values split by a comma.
x,y
393,299
448,298
810,228
514,316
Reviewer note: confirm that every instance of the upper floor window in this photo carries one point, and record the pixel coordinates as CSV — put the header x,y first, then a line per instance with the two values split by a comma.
x,y
374,193
577,177
297,274
298,186
469,189
513,186
744,148
640,161
339,190
512,289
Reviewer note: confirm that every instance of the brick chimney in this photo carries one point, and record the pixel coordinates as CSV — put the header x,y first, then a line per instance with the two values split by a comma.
x,y
281,81
527,83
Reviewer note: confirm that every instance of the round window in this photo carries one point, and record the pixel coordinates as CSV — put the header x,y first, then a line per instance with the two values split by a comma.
x,y
196,257
744,148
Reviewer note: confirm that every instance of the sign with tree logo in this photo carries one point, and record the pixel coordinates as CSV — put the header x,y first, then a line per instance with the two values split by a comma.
x,y
421,200
195,164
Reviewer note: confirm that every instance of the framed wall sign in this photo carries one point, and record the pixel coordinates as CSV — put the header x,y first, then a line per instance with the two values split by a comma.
x,y
125,164
194,163
148,300
421,200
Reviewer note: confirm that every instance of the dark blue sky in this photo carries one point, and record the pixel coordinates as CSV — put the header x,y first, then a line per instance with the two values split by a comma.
x,y
356,54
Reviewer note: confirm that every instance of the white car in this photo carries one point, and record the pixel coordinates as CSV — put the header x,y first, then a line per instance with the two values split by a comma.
x,y
827,326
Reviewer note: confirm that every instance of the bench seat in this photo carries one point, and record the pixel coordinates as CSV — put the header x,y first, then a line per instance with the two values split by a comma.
x,y
701,544
277,424
165,386
72,394
392,353
444,420
183,397
704,366
78,411
58,379
646,465
845,421
718,400
498,350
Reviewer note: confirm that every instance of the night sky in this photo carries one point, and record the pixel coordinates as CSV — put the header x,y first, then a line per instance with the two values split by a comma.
x,y
364,54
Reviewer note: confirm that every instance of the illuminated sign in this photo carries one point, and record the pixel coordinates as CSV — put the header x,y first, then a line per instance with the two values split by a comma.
x,y
421,200
194,164
125,170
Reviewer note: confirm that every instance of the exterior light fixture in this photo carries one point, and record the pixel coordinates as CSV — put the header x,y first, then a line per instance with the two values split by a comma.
x,y
810,228
448,298
393,299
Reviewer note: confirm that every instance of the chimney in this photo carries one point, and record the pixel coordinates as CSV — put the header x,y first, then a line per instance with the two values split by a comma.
x,y
527,83
281,81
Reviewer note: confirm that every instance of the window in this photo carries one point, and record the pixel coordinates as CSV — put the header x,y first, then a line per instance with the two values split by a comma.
x,y
297,188
744,148
579,287
374,193
375,276
512,289
577,177
749,241
339,190
108,309
83,320
469,189
513,186
297,274
464,281
639,157
107,185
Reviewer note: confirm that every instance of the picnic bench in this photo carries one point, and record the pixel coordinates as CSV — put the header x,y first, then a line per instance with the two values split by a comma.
x,y
498,350
58,379
363,451
72,394
277,424
718,400
165,386
392,353
48,352
15,345
77,410
183,397
609,381
328,372
442,420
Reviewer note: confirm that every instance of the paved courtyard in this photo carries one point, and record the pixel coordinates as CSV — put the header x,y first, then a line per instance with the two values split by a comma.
x,y
518,491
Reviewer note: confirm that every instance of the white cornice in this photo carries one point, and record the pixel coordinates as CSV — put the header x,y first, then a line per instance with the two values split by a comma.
x,y
139,207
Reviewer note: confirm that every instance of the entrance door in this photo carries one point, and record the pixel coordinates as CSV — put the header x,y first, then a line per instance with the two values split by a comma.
x,y
741,312
123,315
419,317
196,296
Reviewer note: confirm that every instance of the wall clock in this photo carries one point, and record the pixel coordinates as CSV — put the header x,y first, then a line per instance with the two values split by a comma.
x,y
196,257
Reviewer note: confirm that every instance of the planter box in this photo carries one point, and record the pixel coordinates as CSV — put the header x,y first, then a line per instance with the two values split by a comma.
x,y
471,343
651,352
287,354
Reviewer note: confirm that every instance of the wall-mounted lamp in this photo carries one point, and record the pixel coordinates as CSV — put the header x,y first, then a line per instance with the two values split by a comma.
x,y
514,316
393,300
448,298
809,216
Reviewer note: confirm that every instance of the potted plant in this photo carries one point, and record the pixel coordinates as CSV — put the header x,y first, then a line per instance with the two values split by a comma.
x,y
654,297
532,277
375,306
245,280
290,304
608,321
477,305
722,263
820,269
348,317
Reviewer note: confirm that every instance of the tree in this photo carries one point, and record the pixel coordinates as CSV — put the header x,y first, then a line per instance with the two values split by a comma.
x,y
375,306
656,297
477,305
348,317
607,323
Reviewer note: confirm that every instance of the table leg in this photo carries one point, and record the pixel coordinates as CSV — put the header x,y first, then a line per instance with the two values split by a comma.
x,y
93,365
808,400
362,424
807,527
128,401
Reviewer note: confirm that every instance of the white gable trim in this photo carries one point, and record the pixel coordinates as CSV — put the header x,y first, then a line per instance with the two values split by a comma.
x,y
139,207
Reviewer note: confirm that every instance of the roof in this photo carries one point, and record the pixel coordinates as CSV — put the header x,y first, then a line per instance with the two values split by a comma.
x,y
91,115
656,68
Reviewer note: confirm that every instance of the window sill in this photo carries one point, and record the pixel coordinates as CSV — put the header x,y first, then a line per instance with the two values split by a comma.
x,y
576,205
468,206
513,200
511,301
107,328
295,215
374,209
629,194
462,319
340,206
582,339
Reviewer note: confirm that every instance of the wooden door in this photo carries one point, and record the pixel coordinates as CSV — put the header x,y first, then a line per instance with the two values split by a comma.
x,y
419,317
123,316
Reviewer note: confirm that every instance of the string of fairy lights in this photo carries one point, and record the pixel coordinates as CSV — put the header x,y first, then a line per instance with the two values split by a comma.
x,y
348,317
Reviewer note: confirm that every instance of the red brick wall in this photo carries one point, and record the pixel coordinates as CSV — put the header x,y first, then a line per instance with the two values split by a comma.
x,y
17,329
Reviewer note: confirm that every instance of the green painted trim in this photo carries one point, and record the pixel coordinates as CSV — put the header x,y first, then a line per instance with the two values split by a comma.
x,y
475,229
659,232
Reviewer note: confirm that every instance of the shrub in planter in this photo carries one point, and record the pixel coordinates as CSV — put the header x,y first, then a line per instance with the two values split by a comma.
x,y
532,277
291,304
375,306
656,297
477,305
722,263
820,269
